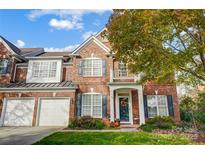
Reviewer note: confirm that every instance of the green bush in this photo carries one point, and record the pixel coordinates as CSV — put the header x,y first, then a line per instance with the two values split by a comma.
x,y
160,122
86,122
185,116
200,117
147,127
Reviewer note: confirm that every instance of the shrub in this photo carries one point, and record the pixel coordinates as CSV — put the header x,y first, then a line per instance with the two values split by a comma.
x,y
147,127
86,122
161,122
200,117
158,122
185,116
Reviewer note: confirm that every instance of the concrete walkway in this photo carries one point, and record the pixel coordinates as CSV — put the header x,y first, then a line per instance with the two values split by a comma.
x,y
24,135
103,130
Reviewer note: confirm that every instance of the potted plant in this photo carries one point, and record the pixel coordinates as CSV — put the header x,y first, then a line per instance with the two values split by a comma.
x,y
117,122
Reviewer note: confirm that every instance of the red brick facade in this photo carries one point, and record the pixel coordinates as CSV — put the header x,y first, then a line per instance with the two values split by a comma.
x,y
86,84
154,89
5,54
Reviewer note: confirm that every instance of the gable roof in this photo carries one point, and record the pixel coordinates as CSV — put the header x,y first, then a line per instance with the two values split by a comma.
x,y
95,40
12,48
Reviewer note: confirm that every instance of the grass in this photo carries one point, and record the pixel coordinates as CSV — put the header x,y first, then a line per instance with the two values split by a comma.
x,y
112,138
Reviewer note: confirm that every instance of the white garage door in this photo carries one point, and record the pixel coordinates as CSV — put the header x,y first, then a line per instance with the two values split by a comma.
x,y
19,112
54,112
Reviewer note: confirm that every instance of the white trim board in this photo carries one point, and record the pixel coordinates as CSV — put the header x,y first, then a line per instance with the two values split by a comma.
x,y
18,57
95,40
117,109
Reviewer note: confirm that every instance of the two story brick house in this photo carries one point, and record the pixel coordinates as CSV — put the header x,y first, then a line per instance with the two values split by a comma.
x,y
39,88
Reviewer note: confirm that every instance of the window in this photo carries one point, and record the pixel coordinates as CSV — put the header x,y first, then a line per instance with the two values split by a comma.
x,y
157,105
92,67
122,70
92,105
44,69
4,66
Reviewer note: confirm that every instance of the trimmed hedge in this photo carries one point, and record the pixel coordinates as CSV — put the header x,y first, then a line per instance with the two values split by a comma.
x,y
86,122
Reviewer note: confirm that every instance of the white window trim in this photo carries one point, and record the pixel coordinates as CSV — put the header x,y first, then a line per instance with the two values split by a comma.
x,y
92,68
121,70
92,93
156,98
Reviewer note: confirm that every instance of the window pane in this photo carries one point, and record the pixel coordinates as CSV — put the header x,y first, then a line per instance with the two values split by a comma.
x,y
52,71
3,66
152,106
162,105
86,105
97,67
97,105
92,105
92,67
152,111
163,111
97,100
122,70
87,71
97,111
44,69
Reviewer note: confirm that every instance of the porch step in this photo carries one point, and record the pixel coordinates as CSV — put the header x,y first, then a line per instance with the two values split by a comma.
x,y
128,126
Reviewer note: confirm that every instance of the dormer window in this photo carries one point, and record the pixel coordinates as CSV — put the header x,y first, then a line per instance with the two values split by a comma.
x,y
44,71
5,66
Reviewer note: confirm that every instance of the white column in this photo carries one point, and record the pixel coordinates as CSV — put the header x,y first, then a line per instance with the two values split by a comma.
x,y
111,105
141,106
111,74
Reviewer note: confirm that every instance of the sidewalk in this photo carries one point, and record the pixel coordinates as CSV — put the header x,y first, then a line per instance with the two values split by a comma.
x,y
104,130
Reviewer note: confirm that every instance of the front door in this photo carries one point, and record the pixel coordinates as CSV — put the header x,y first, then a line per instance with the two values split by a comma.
x,y
124,108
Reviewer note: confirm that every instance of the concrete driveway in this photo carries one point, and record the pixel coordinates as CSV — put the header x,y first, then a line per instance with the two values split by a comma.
x,y
24,135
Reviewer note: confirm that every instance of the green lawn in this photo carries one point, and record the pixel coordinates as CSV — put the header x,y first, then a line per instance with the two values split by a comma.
x,y
111,138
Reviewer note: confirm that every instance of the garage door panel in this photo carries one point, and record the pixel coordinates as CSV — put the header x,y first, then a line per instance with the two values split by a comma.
x,y
54,112
19,112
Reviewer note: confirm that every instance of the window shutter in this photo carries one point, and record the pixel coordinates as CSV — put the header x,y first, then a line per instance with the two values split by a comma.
x,y
104,106
80,68
8,67
170,105
145,106
103,67
79,104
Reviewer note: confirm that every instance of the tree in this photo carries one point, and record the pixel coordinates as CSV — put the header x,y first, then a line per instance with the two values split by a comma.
x,y
160,43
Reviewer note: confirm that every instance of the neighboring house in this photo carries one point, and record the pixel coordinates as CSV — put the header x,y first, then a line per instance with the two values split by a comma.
x,y
40,88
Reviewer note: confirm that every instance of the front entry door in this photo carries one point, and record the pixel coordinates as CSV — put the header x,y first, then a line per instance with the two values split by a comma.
x,y
124,108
